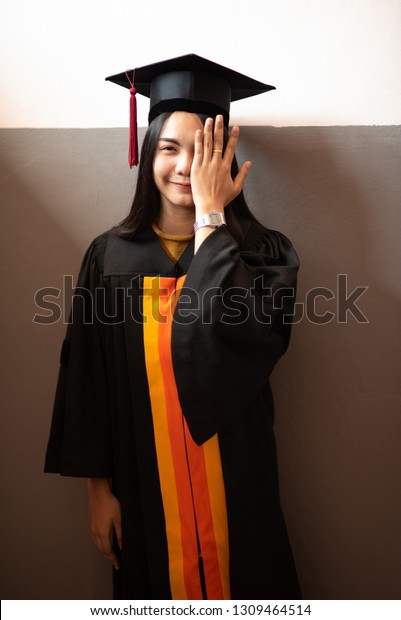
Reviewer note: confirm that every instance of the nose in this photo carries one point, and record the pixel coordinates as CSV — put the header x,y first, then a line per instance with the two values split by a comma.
x,y
184,163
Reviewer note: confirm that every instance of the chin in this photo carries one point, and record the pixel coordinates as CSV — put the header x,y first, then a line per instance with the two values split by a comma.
x,y
185,202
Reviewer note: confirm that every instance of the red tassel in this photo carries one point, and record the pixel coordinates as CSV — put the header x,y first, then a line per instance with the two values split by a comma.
x,y
133,131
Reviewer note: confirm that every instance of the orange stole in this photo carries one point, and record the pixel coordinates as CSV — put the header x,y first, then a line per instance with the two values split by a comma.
x,y
191,476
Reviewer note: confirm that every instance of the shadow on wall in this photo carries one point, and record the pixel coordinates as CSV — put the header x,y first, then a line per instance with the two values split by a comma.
x,y
56,195
335,193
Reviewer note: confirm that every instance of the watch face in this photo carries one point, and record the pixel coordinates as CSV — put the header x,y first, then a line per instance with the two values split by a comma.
x,y
215,219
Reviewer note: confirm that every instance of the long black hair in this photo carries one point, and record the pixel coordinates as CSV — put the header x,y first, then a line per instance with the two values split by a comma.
x,y
146,203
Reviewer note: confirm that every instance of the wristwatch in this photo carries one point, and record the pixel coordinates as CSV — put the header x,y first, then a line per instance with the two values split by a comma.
x,y
212,219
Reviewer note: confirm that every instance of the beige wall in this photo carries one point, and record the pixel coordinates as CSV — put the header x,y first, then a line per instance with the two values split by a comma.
x,y
335,191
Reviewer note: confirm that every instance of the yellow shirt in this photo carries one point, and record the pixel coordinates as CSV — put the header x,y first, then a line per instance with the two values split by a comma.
x,y
173,245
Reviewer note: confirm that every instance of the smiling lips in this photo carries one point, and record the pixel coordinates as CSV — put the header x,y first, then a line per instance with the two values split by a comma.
x,y
185,187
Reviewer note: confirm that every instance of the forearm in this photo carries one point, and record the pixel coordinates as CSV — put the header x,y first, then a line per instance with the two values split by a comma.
x,y
96,486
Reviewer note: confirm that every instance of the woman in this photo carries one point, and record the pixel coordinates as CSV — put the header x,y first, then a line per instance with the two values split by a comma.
x,y
163,401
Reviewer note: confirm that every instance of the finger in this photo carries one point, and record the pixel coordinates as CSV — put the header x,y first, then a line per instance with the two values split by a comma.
x,y
218,135
113,559
208,138
231,145
105,546
118,531
103,543
240,179
198,148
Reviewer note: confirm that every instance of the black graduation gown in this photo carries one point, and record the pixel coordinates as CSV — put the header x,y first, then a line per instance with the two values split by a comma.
x,y
231,325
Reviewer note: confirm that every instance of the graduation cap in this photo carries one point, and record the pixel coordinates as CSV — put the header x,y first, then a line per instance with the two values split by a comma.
x,y
187,83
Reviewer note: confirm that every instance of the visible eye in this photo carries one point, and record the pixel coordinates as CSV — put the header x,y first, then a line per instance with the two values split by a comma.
x,y
167,148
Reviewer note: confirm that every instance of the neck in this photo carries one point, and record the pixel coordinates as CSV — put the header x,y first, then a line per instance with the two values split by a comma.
x,y
174,220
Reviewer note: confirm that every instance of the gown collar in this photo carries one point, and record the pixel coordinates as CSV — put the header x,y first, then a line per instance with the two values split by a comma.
x,y
143,254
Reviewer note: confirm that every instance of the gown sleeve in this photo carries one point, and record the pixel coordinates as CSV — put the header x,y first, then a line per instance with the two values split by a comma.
x,y
231,325
80,438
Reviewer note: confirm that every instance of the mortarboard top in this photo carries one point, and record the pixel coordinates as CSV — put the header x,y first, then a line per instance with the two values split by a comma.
x,y
187,83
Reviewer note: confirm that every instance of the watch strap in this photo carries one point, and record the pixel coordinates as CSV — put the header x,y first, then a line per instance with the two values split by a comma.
x,y
212,219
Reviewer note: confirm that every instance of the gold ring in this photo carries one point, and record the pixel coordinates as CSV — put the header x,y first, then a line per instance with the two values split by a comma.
x,y
217,151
